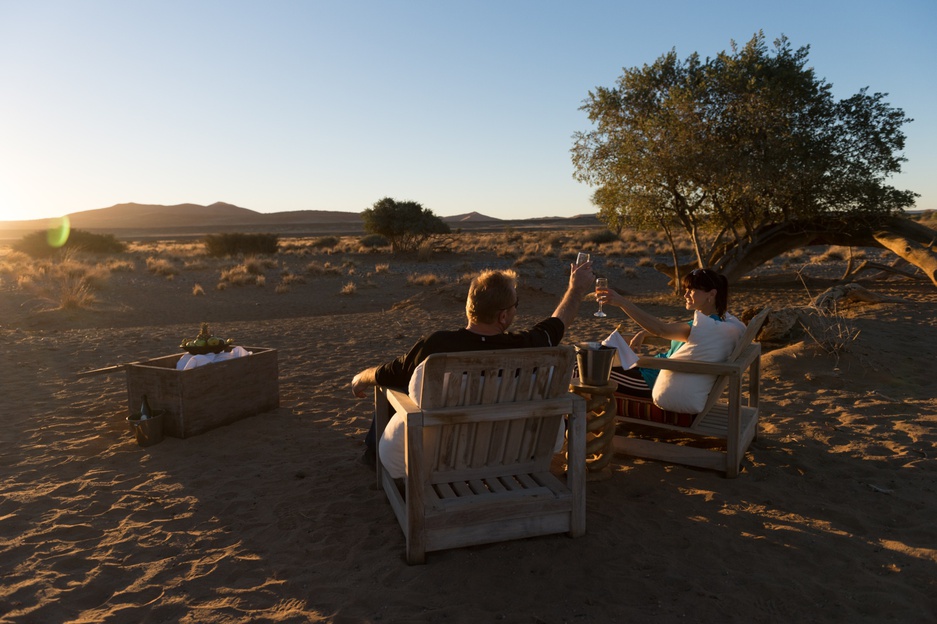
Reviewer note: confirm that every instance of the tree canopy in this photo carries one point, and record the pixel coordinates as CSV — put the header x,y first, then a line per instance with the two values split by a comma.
x,y
728,148
405,224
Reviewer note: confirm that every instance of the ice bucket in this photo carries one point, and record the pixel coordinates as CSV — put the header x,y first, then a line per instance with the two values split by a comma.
x,y
148,431
595,363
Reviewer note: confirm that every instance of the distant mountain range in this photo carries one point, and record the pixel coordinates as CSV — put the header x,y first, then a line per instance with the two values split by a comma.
x,y
193,219
137,216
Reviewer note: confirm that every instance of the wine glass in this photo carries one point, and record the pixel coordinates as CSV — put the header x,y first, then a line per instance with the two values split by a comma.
x,y
581,258
600,284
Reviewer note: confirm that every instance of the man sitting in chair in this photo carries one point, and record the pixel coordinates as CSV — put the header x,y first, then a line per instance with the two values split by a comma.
x,y
491,307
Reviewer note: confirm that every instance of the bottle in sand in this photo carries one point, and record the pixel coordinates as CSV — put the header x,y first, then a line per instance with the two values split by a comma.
x,y
145,411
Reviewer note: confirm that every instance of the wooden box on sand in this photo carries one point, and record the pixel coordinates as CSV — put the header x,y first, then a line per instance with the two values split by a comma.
x,y
207,396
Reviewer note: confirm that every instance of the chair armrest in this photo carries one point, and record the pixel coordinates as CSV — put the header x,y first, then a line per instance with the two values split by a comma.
x,y
692,366
399,400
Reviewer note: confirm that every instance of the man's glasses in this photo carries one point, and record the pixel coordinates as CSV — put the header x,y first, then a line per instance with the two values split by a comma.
x,y
514,305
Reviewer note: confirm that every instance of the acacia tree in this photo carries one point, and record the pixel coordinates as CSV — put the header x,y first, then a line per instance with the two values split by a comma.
x,y
405,224
748,153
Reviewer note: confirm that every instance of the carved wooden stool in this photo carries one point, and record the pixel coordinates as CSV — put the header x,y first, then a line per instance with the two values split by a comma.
x,y
600,426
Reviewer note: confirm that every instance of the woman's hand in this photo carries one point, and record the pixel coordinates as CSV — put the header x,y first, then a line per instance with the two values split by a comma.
x,y
609,296
637,341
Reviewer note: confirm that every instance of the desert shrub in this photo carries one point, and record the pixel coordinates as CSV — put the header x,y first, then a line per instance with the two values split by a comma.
x,y
37,244
510,236
381,268
198,290
554,239
373,240
233,244
326,242
600,237
349,289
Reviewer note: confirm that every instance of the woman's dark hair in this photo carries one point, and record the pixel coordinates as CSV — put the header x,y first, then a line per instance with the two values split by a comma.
x,y
707,279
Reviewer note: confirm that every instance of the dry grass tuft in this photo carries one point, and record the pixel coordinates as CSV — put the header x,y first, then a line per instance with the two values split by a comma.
x,y
198,290
288,278
239,276
349,289
120,266
322,268
161,266
64,281
425,279
530,259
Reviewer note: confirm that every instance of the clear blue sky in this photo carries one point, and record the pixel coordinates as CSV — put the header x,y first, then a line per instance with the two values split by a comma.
x,y
460,105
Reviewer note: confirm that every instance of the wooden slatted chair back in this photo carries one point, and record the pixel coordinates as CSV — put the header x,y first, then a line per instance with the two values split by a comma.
x,y
519,385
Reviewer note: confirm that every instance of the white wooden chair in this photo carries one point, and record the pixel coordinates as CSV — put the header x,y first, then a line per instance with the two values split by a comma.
x,y
479,447
729,413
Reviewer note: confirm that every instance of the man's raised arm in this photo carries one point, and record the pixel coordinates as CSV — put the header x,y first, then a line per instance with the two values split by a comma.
x,y
581,282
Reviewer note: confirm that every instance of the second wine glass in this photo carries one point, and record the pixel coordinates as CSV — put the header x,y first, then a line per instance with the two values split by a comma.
x,y
600,284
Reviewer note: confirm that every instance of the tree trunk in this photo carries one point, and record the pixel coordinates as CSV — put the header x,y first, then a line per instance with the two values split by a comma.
x,y
908,239
914,244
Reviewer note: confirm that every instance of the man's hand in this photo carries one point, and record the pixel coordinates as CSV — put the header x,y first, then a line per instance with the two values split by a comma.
x,y
581,278
362,381
581,282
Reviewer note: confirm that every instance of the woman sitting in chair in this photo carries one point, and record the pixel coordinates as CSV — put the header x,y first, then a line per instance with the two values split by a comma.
x,y
706,292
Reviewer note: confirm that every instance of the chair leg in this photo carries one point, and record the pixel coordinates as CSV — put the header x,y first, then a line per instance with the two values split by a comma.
x,y
734,428
576,471
381,418
415,504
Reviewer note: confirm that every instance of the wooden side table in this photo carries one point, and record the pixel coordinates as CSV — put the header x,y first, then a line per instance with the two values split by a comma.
x,y
600,426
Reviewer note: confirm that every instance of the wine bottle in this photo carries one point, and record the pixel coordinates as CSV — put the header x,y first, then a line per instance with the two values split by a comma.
x,y
145,411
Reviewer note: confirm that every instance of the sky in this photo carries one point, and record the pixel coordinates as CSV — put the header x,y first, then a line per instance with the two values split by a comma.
x,y
462,106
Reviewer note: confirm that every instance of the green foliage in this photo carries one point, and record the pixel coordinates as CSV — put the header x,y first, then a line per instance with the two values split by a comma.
x,y
407,225
728,146
36,244
233,244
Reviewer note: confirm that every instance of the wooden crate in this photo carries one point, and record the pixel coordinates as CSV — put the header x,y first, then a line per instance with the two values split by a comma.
x,y
208,396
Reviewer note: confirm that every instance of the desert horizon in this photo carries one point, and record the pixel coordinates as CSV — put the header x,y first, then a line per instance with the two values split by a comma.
x,y
157,221
273,518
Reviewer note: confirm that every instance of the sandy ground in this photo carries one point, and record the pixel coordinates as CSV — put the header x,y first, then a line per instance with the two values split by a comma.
x,y
272,518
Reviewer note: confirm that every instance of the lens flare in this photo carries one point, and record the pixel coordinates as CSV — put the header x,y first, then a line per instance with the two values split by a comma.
x,y
57,234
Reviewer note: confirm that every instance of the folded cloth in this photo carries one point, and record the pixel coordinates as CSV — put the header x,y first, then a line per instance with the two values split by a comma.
x,y
626,357
189,361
